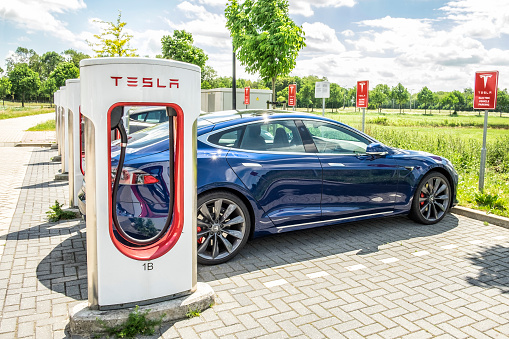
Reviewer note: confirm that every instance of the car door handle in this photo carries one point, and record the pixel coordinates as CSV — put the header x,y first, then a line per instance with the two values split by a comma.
x,y
336,164
251,164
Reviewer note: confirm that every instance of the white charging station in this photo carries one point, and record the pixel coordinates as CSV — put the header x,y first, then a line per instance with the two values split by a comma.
x,y
56,100
121,274
73,142
64,148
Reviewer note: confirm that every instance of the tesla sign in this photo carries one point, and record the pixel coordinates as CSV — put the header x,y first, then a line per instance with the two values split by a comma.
x,y
322,89
362,94
485,93
247,91
292,92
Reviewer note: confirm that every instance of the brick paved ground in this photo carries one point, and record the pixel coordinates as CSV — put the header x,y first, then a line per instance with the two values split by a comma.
x,y
387,278
12,131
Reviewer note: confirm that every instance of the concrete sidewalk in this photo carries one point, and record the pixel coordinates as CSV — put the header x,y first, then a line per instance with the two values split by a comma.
x,y
13,131
385,278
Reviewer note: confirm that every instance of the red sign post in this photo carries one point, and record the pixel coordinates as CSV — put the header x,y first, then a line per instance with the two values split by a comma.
x,y
485,93
485,97
292,95
247,95
362,94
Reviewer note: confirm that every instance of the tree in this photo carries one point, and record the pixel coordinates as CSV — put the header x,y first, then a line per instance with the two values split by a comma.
x,y
400,94
451,101
502,101
48,88
379,95
74,56
113,42
23,55
49,61
63,72
24,81
425,96
180,47
5,88
265,39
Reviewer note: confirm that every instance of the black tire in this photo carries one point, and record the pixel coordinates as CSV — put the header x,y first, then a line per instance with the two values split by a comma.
x,y
221,235
431,199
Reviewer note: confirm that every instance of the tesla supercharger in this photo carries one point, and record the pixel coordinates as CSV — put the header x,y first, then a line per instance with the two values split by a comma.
x,y
64,148
57,118
74,139
125,269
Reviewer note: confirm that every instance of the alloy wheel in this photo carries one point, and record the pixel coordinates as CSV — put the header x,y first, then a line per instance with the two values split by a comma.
x,y
434,198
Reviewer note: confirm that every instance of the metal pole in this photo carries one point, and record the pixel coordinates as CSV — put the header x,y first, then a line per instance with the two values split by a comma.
x,y
234,85
363,118
323,107
483,152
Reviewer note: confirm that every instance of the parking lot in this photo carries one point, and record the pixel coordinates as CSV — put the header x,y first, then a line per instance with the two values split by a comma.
x,y
385,278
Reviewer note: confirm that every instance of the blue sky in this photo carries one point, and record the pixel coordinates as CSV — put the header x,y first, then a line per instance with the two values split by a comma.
x,y
439,44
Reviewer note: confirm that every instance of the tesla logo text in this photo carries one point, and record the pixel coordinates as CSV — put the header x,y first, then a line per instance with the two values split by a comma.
x,y
485,77
146,82
362,86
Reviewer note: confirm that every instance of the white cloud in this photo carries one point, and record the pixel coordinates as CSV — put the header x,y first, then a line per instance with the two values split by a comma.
x,y
321,38
479,19
348,33
217,3
305,7
40,15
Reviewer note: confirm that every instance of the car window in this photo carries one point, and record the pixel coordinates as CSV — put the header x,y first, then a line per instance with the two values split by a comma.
x,y
279,136
331,138
138,117
154,116
227,138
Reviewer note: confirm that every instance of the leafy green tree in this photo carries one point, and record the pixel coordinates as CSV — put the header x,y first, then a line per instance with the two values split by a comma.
x,y
450,100
180,47
5,88
336,96
74,56
63,72
425,96
306,94
24,81
113,41
265,39
48,88
23,55
379,95
49,61
502,101
400,94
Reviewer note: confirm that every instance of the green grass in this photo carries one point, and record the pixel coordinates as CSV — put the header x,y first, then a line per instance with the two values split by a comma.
x,y
458,138
44,126
14,110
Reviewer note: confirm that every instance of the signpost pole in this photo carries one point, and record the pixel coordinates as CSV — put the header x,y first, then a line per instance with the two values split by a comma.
x,y
363,118
323,107
483,152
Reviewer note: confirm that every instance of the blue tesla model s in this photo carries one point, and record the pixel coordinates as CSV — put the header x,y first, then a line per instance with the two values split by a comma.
x,y
266,171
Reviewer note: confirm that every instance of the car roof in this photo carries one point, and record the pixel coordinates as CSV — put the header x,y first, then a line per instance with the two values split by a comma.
x,y
233,117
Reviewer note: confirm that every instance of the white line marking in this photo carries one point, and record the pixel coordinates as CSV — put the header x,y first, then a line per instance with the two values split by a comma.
x,y
274,283
449,247
500,237
317,275
355,267
420,253
476,242
389,260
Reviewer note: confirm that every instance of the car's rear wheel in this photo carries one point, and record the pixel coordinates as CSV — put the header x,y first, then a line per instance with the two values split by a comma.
x,y
431,199
223,227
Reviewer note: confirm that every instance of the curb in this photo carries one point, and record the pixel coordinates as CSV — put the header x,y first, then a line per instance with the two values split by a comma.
x,y
34,144
84,321
481,215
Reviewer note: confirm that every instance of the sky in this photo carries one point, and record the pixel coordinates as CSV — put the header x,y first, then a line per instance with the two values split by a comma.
x,y
433,43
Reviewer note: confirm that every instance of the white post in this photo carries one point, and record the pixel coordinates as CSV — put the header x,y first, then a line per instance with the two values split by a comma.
x,y
363,118
323,107
483,152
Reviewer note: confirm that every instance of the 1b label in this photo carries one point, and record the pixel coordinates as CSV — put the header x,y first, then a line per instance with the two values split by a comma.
x,y
148,266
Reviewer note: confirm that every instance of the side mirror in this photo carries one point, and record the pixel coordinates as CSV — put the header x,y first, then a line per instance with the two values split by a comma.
x,y
376,148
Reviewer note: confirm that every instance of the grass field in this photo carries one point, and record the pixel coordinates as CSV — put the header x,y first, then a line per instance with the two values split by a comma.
x,y
44,126
458,138
14,109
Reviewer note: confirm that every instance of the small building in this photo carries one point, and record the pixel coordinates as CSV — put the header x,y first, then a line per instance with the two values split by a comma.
x,y
220,99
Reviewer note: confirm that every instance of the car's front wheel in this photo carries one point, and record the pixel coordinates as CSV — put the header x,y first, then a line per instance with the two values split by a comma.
x,y
431,199
223,227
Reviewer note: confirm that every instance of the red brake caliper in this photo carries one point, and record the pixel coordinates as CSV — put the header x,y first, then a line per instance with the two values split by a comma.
x,y
422,196
202,239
